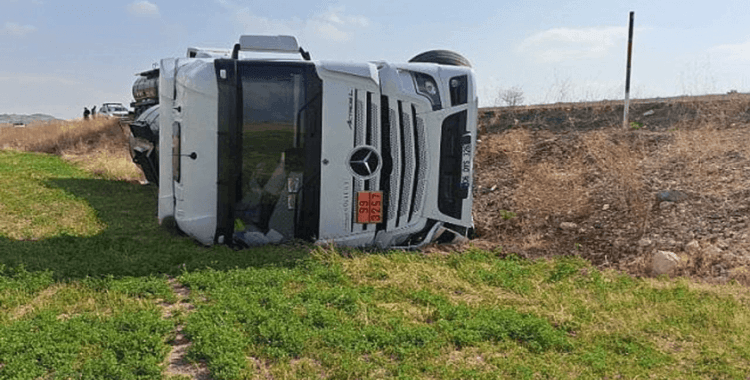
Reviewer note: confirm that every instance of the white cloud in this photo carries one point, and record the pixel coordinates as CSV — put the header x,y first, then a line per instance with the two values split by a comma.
x,y
144,9
562,44
335,25
732,53
332,25
338,17
18,30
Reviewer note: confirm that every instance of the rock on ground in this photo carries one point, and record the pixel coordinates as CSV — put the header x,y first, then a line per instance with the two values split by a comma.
x,y
664,262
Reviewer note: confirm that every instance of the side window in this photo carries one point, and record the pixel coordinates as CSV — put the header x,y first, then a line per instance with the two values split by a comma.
x,y
176,152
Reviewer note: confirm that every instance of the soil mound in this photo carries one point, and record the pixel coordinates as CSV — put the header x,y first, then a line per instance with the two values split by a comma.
x,y
570,180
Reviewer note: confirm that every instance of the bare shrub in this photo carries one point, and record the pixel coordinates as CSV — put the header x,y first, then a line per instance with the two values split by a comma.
x,y
561,90
619,164
511,97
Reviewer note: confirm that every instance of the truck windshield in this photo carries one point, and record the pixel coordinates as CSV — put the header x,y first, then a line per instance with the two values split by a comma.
x,y
276,115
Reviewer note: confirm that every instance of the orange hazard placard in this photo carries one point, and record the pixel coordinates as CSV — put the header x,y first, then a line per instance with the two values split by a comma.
x,y
369,207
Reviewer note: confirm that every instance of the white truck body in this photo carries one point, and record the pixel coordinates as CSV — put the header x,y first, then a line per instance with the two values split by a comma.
x,y
404,131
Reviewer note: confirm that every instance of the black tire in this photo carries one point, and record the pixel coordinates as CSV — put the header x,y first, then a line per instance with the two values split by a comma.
x,y
442,57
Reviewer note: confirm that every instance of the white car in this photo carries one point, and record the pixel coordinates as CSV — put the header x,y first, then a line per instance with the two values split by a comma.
x,y
113,109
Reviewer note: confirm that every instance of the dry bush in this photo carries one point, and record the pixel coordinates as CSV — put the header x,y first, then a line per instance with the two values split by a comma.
x,y
99,145
549,188
619,164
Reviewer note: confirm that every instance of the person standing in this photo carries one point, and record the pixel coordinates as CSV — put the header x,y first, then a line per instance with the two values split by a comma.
x,y
93,111
86,113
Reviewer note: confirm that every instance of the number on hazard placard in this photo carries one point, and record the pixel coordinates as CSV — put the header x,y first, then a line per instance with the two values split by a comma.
x,y
369,208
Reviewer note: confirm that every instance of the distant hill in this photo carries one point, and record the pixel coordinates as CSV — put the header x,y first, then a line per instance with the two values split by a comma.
x,y
26,119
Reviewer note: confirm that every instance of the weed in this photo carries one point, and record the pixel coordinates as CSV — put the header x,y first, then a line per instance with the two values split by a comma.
x,y
565,268
507,215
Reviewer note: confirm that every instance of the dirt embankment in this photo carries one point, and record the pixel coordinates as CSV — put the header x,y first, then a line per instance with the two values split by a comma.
x,y
569,179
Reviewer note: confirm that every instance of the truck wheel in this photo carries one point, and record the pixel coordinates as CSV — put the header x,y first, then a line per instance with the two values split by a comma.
x,y
442,57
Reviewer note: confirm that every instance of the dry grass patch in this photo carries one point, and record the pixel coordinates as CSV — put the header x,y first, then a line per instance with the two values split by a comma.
x,y
381,273
741,275
69,300
63,136
553,188
709,160
472,358
108,164
98,145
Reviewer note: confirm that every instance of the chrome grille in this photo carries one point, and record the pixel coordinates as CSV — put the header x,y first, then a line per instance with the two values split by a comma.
x,y
395,145
419,190
408,157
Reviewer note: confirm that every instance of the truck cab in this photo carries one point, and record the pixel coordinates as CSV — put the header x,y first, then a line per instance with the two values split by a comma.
x,y
251,151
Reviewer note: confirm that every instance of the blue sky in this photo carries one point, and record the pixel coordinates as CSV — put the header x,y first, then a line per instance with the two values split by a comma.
x,y
59,56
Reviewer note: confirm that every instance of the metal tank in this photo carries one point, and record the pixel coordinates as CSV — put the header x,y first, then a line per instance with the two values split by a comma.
x,y
145,91
144,130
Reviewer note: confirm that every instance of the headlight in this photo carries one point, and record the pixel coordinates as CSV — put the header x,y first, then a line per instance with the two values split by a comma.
x,y
459,90
427,87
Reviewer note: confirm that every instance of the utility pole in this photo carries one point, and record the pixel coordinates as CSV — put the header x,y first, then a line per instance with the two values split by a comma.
x,y
627,73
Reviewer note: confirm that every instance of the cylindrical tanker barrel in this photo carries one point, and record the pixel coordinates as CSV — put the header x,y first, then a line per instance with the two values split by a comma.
x,y
146,88
145,91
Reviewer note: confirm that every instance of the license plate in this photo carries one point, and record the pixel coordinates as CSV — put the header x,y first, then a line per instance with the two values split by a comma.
x,y
369,207
466,159
465,169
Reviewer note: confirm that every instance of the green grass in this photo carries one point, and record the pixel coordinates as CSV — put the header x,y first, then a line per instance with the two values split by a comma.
x,y
93,328
83,274
30,209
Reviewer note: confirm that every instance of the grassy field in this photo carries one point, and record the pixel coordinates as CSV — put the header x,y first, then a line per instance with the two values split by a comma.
x,y
86,275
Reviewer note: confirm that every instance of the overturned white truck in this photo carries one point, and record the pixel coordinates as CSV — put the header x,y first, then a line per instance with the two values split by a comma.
x,y
249,150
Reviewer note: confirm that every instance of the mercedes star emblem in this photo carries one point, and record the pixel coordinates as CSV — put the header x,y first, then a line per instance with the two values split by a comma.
x,y
364,161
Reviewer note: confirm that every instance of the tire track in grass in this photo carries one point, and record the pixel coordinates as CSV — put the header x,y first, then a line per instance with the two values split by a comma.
x,y
177,365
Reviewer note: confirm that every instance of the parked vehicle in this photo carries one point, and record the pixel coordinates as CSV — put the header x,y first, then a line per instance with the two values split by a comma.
x,y
249,151
113,109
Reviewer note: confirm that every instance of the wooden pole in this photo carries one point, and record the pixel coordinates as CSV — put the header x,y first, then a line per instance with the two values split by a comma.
x,y
627,73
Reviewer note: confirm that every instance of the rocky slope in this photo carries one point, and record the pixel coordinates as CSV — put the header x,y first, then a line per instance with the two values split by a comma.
x,y
570,180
